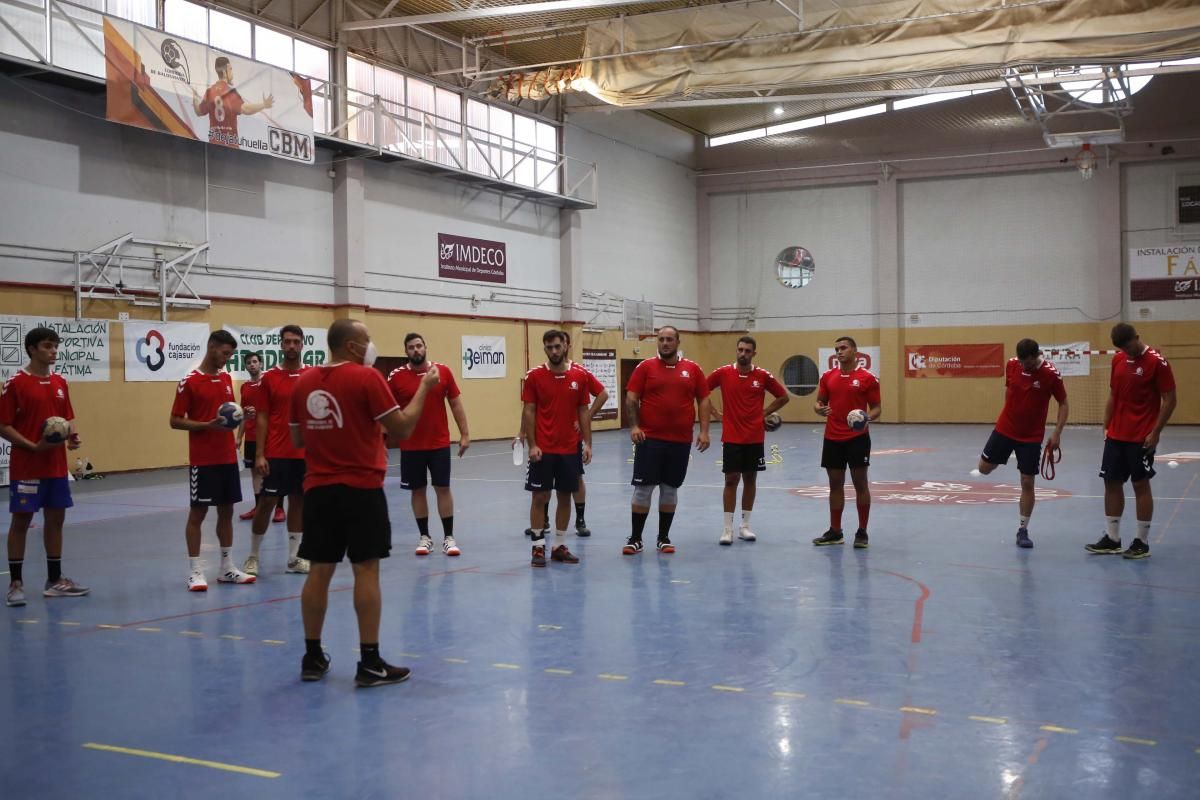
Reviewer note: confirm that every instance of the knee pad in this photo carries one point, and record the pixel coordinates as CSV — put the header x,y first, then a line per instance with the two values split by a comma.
x,y
668,495
642,495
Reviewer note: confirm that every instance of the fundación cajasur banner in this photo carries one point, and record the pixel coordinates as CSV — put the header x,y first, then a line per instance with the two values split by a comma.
x,y
163,83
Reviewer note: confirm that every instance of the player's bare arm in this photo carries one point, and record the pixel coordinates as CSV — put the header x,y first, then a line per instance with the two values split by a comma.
x,y
703,412
460,419
632,404
268,101
821,406
585,432
529,426
1165,410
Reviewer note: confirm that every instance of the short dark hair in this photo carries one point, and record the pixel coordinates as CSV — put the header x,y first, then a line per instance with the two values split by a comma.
x,y
748,340
340,332
1123,333
412,336
849,339
36,336
221,62
296,329
566,335
221,336
1027,348
672,327
255,354
552,334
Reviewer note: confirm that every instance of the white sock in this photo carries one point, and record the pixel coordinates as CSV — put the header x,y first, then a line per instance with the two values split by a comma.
x,y
256,540
560,533
1112,527
1024,521
226,559
728,520
745,518
1143,528
195,562
293,545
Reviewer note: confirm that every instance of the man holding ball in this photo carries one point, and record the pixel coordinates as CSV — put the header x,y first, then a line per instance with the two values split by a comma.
x,y
848,398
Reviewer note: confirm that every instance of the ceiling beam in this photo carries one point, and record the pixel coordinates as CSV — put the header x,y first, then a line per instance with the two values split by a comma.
x,y
491,12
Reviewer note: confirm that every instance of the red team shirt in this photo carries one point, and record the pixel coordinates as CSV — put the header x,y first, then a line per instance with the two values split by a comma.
x,y
1137,385
250,395
198,397
433,431
558,398
28,401
593,384
1027,399
276,391
845,392
742,421
668,393
338,408
222,103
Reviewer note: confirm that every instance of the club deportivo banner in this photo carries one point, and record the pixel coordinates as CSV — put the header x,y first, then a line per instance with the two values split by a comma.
x,y
163,83
267,343
954,361
483,357
163,351
868,358
82,349
1164,272
603,364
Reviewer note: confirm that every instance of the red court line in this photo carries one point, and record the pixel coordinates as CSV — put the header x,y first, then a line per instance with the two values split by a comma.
x,y
1015,790
919,609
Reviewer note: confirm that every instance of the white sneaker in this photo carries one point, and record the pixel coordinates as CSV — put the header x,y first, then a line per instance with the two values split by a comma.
x,y
298,565
250,566
450,547
16,593
197,582
424,546
235,575
747,534
726,537
64,587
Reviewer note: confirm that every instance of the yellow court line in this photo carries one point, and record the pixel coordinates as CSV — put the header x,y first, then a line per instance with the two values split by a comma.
x,y
549,627
150,630
129,751
554,671
993,720
273,641
662,682
847,702
27,622
455,660
607,676
191,633
231,637
506,666
1135,740
110,627
71,624
789,695
1057,729
918,710
409,655
720,688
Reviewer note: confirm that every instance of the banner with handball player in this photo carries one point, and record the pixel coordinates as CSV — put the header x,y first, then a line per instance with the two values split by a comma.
x,y
164,83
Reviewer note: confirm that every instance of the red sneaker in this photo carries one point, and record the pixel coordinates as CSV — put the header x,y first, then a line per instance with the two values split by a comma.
x,y
279,515
247,515
561,553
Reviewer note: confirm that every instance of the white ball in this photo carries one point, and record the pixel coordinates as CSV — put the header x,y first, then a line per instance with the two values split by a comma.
x,y
55,430
857,419
1173,464
231,414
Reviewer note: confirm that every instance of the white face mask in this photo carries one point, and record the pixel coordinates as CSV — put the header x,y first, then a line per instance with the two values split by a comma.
x,y
370,355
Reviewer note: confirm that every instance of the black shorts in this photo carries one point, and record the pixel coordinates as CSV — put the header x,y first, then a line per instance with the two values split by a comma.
x,y
215,485
742,458
555,471
853,453
657,461
999,447
341,520
418,467
249,452
1126,461
286,477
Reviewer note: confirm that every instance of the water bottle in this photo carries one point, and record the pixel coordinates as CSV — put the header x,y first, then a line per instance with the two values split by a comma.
x,y
518,448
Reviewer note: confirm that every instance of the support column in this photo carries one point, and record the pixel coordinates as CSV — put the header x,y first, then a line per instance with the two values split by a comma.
x,y
349,254
570,263
1108,279
703,261
887,296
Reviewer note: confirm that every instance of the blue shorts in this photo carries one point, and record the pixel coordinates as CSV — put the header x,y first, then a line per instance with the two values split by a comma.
x,y
30,497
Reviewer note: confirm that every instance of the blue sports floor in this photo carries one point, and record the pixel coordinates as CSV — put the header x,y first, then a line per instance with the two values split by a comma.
x,y
943,662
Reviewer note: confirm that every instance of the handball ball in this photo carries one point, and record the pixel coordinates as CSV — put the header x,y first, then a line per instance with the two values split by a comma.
x,y
55,430
230,414
772,422
857,419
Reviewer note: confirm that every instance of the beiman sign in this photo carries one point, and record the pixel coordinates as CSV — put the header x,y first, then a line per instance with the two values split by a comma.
x,y
465,259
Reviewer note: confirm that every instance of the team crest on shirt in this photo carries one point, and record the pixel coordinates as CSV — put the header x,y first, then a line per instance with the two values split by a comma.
x,y
1037,384
755,384
854,383
685,373
324,410
59,393
1139,370
574,385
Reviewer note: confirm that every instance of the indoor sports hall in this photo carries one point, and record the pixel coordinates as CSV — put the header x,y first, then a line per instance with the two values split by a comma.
x,y
909,194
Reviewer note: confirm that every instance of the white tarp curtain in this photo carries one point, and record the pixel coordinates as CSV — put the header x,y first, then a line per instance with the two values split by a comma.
x,y
886,39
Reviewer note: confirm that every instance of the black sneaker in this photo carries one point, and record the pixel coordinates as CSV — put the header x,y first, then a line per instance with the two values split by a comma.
x,y
561,553
829,537
313,668
633,546
1023,540
539,556
1105,546
581,528
529,531
379,674
1137,549
861,540
665,546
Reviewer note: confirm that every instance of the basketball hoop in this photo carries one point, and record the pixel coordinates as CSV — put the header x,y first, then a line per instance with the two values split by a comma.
x,y
1085,162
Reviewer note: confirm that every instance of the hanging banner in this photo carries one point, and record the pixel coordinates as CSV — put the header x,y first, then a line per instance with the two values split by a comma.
x,y
163,83
1072,360
266,342
1164,272
163,351
868,359
82,349
603,364
483,357
467,259
954,361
